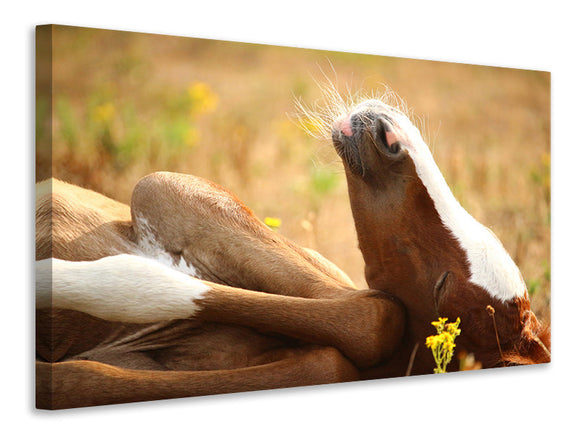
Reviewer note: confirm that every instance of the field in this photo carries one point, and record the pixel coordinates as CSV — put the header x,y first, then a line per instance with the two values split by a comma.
x,y
125,105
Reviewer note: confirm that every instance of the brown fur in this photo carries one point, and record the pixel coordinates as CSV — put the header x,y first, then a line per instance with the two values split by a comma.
x,y
407,250
277,315
272,312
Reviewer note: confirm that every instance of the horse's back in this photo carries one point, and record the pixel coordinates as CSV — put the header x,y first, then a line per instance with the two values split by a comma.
x,y
77,224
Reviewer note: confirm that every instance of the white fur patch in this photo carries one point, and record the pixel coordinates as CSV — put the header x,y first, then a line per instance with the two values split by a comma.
x,y
152,248
123,288
491,266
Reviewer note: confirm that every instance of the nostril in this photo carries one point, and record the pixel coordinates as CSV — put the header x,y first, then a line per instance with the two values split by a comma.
x,y
381,129
395,147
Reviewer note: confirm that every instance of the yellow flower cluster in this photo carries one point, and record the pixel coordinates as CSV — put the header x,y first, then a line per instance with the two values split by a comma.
x,y
203,99
273,223
443,344
445,340
103,113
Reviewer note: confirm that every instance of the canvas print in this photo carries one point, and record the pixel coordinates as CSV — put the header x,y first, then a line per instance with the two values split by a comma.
x,y
216,217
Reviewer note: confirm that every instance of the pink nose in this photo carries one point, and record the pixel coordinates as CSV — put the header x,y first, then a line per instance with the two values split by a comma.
x,y
344,126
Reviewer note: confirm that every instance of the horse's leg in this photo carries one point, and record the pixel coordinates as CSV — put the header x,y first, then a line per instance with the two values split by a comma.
x,y
365,325
201,225
86,383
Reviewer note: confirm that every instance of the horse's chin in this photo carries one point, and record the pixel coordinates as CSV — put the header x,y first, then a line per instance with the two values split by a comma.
x,y
347,150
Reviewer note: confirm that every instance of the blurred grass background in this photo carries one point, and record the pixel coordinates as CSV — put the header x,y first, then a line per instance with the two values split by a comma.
x,y
127,104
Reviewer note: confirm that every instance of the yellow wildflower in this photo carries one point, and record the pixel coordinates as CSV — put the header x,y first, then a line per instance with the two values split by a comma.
x,y
103,113
273,223
439,324
448,345
203,99
433,341
453,328
443,344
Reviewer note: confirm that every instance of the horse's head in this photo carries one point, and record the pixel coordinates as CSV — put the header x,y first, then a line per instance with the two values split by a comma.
x,y
420,245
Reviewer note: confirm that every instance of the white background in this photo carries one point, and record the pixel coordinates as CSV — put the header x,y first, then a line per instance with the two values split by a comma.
x,y
529,35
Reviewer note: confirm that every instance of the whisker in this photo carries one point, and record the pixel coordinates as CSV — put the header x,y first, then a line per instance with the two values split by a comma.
x,y
318,118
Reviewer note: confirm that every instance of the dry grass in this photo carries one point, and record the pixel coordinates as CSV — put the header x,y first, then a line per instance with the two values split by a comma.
x,y
124,107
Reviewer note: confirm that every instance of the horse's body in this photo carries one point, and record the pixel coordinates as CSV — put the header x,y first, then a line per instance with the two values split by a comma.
x,y
186,293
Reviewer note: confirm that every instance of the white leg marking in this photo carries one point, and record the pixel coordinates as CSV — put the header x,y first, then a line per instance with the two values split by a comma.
x,y
153,249
123,288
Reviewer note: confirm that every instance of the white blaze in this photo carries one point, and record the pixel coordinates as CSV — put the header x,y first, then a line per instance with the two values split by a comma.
x,y
491,266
